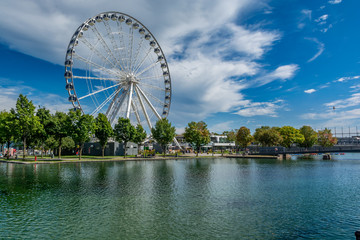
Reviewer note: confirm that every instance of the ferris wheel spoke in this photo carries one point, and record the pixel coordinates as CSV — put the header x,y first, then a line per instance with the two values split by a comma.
x,y
151,86
105,102
109,71
143,60
99,91
143,107
147,68
138,51
97,52
153,97
122,42
150,77
112,39
97,78
149,103
105,46
131,42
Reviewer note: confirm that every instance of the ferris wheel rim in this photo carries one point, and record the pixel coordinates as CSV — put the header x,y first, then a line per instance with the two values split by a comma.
x,y
69,59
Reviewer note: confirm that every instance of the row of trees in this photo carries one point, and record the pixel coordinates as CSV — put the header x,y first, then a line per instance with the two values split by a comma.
x,y
42,130
285,136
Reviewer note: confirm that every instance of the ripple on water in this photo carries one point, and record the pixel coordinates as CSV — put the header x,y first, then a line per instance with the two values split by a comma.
x,y
189,199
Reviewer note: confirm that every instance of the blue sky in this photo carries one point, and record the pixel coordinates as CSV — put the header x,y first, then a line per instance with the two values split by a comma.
x,y
233,63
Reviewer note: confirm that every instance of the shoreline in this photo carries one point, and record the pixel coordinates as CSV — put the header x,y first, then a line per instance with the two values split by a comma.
x,y
122,159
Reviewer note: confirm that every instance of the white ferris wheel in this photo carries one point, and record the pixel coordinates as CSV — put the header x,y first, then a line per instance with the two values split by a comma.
x,y
114,65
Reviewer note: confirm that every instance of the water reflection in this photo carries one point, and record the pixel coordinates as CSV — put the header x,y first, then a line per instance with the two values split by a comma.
x,y
183,199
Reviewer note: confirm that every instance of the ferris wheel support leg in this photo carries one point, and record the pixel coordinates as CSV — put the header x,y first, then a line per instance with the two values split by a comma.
x,y
143,107
136,113
129,101
117,107
149,103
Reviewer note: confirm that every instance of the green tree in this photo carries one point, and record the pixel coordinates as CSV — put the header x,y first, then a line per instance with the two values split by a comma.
x,y
124,132
197,134
325,138
267,136
290,135
243,137
310,136
81,127
7,128
60,129
103,130
163,133
27,124
45,119
230,135
140,135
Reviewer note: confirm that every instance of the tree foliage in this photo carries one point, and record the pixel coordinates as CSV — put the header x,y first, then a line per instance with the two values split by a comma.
x,y
310,136
267,136
7,128
80,127
60,129
140,135
163,133
103,130
27,124
197,134
124,132
230,135
325,138
290,135
243,137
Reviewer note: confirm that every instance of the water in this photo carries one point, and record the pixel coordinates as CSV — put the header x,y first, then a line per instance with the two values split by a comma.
x,y
183,199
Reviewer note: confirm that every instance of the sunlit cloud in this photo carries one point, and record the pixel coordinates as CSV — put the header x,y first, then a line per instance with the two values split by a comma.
x,y
335,1
309,91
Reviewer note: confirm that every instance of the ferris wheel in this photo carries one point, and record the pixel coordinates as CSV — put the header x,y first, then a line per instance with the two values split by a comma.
x,y
114,65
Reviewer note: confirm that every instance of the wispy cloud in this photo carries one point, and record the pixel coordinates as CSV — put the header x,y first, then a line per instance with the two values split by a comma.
x,y
352,101
345,79
252,109
309,91
305,17
283,73
221,127
320,47
335,1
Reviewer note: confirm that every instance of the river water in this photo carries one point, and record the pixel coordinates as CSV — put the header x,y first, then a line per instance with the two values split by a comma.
x,y
182,199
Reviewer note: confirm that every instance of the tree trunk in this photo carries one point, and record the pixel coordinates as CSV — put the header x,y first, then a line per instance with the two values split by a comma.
x,y
103,150
42,151
81,148
24,145
8,155
197,151
164,150
125,143
60,143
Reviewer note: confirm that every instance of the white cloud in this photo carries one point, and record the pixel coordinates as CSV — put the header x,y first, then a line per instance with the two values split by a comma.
x,y
335,1
352,101
284,72
309,91
252,109
306,16
322,18
345,79
221,127
320,47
